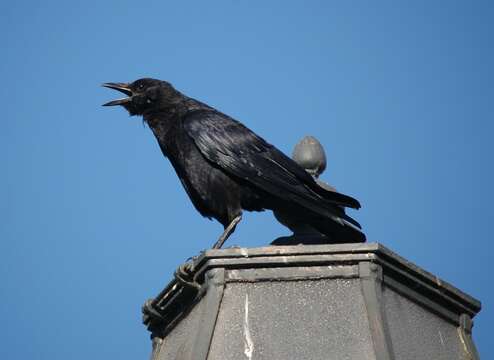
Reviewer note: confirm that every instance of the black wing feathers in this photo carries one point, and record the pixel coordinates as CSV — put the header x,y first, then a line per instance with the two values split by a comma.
x,y
236,149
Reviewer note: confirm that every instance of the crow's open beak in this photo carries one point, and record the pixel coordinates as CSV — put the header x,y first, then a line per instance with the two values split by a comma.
x,y
122,87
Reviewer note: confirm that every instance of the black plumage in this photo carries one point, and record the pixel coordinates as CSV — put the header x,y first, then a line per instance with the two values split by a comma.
x,y
226,168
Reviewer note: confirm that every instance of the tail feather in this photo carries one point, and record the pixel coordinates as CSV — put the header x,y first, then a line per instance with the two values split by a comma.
x,y
343,232
336,198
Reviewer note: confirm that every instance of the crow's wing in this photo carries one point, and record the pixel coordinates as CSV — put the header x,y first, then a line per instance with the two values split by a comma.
x,y
238,151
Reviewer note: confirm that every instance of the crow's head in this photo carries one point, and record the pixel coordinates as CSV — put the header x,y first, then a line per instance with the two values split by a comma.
x,y
144,95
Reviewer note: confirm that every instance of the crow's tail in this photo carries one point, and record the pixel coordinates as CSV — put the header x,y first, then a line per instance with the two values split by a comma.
x,y
338,229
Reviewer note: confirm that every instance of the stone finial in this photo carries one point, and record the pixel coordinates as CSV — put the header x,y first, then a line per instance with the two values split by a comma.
x,y
310,154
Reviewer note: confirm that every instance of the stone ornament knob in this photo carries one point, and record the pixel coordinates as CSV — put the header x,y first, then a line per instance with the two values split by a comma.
x,y
310,154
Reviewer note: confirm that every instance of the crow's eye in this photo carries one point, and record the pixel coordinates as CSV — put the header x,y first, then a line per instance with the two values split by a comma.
x,y
140,86
149,101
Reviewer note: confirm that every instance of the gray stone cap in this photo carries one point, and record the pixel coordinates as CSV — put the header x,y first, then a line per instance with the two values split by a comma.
x,y
274,263
301,255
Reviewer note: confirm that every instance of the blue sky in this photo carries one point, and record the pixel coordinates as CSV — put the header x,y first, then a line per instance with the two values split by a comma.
x,y
93,218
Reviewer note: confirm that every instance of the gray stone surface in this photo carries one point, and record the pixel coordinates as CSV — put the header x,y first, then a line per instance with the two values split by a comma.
x,y
178,343
304,320
418,334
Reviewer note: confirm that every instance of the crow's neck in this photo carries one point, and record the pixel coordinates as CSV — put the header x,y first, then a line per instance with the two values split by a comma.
x,y
162,120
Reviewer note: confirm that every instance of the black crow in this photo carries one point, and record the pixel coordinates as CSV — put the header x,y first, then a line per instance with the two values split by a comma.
x,y
225,167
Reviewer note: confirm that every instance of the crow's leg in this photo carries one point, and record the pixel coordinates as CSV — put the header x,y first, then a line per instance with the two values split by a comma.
x,y
228,231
